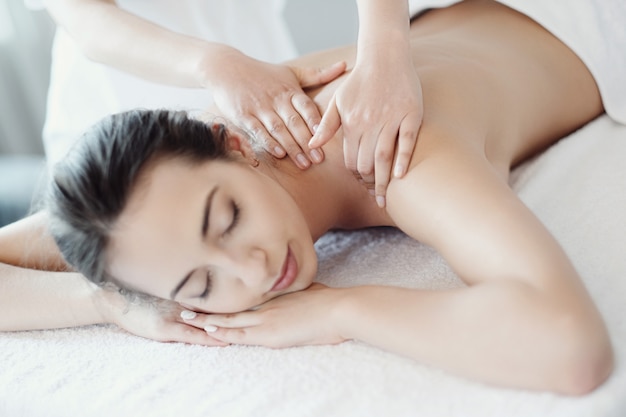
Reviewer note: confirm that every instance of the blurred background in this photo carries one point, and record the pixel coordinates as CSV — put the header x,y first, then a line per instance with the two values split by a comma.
x,y
25,41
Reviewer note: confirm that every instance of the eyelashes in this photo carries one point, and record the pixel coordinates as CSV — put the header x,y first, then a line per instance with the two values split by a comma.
x,y
207,288
233,224
236,216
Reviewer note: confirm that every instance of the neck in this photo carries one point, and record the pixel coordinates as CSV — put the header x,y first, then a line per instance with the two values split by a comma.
x,y
329,196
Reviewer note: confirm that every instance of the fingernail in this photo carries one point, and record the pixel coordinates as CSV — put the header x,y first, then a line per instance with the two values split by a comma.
x,y
380,200
316,156
187,315
398,171
210,328
315,127
302,161
279,152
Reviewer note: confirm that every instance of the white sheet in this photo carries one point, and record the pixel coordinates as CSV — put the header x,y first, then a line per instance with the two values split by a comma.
x,y
577,187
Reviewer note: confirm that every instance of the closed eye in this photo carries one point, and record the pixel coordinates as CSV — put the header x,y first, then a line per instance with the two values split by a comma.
x,y
235,220
207,288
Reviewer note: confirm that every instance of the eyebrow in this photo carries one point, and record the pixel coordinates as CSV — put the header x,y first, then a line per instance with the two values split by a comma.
x,y
205,229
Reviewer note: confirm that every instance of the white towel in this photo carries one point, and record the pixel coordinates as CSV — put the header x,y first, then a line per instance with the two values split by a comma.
x,y
577,187
594,29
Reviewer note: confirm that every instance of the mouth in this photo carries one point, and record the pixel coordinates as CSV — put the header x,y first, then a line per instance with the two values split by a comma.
x,y
288,273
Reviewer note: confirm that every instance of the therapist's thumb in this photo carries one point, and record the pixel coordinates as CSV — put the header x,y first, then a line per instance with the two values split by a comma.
x,y
311,77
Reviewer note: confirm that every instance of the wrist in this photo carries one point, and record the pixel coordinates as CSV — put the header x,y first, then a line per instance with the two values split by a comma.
x,y
212,62
346,311
108,302
389,48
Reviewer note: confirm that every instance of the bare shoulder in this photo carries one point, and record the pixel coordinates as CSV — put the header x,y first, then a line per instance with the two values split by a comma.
x,y
456,201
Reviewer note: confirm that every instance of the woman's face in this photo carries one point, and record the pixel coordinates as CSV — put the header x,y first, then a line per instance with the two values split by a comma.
x,y
217,237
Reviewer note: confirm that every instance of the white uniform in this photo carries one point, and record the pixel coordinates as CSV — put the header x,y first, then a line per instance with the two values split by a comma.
x,y
82,92
594,29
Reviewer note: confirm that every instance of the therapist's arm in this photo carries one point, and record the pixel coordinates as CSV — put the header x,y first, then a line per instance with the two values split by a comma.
x,y
265,99
379,105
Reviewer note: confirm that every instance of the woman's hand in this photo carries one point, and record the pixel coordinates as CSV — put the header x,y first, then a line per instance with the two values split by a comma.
x,y
380,110
267,100
154,319
301,318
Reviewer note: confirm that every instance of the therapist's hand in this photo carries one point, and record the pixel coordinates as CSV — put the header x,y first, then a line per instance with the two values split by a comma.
x,y
380,108
267,100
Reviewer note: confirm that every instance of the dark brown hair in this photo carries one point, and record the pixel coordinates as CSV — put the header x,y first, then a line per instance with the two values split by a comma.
x,y
91,185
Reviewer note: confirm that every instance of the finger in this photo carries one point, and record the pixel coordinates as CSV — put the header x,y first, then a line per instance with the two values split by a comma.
x,y
365,156
297,126
311,115
311,77
179,332
260,135
383,162
328,127
234,320
257,335
308,111
277,129
237,336
407,139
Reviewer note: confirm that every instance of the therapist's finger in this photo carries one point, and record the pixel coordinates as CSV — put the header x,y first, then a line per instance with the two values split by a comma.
x,y
365,155
311,115
383,162
328,127
407,139
308,111
351,153
311,77
261,136
277,129
300,133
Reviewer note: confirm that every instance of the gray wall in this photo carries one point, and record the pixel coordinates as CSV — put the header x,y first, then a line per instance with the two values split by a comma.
x,y
25,40
320,24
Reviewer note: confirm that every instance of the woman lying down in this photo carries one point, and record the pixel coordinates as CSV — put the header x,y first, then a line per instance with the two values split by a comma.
x,y
157,203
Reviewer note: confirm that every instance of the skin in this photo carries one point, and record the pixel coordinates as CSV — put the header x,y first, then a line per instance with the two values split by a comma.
x,y
377,134
497,88
268,99
468,144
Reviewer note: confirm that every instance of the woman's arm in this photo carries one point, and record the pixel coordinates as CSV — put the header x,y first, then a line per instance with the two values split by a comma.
x,y
525,319
35,293
280,115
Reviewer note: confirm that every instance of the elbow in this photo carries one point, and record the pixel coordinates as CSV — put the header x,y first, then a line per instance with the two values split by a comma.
x,y
587,359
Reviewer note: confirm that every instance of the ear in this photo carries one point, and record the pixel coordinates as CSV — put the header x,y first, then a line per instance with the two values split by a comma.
x,y
239,145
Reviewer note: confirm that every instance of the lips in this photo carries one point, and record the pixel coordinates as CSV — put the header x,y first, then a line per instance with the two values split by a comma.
x,y
288,273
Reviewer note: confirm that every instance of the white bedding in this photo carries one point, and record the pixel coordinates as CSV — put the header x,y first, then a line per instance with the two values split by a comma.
x,y
577,187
